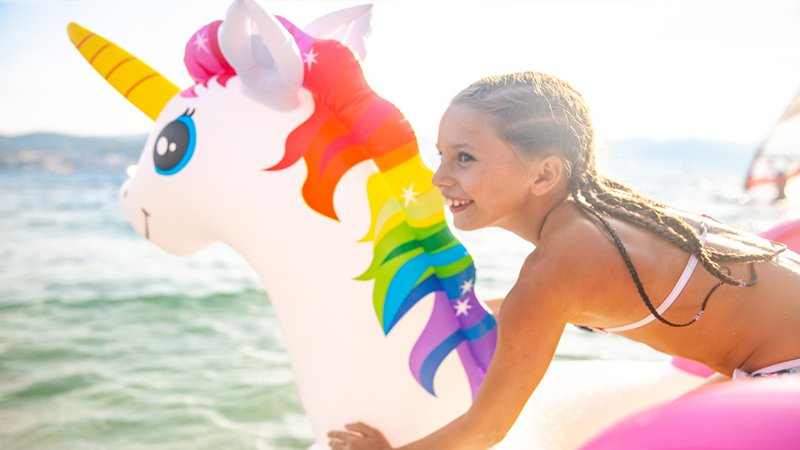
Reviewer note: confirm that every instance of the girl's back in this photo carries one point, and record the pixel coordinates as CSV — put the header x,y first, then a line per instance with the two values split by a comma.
x,y
744,328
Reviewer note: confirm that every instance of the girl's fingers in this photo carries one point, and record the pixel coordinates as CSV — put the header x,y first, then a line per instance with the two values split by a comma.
x,y
362,428
342,435
357,435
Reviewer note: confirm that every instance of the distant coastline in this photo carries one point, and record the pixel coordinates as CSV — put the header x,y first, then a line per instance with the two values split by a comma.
x,y
56,152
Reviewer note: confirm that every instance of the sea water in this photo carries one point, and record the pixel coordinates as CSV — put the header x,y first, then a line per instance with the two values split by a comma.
x,y
108,342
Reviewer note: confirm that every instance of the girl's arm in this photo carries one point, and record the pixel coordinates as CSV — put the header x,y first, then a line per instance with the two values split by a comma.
x,y
495,305
528,334
529,328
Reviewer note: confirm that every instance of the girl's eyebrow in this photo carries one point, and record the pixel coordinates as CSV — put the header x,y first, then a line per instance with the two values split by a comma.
x,y
458,146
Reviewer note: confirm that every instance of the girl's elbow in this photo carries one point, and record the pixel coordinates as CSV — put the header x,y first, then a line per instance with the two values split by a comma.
x,y
495,437
487,433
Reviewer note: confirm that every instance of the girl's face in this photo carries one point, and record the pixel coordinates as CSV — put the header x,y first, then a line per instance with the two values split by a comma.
x,y
483,178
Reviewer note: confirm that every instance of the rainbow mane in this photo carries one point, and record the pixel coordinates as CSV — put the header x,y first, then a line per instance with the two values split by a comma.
x,y
414,252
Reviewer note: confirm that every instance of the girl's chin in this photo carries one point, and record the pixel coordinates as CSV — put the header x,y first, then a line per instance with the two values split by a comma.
x,y
464,225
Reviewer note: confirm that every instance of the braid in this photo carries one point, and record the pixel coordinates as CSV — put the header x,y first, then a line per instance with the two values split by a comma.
x,y
631,268
672,222
638,282
594,195
668,224
629,210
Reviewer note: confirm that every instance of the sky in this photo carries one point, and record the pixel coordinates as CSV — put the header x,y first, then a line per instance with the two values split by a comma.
x,y
650,69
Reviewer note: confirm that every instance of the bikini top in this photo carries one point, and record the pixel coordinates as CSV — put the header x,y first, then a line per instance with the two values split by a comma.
x,y
676,291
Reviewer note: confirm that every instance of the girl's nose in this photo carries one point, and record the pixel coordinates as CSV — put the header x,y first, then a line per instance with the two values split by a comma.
x,y
437,176
440,177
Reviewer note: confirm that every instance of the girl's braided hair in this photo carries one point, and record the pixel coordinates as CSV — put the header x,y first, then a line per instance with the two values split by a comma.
x,y
539,113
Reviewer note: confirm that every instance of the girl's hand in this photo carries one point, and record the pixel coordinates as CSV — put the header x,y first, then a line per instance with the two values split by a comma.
x,y
359,436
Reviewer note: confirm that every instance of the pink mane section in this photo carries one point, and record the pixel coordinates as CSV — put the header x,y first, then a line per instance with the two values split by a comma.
x,y
204,59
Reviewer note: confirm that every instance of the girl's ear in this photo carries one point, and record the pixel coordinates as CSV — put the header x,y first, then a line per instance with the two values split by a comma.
x,y
546,174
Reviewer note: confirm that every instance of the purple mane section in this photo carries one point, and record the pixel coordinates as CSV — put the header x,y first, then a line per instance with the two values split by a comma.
x,y
473,335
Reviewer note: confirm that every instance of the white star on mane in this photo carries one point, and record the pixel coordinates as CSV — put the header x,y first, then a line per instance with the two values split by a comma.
x,y
466,286
462,307
310,57
200,41
409,195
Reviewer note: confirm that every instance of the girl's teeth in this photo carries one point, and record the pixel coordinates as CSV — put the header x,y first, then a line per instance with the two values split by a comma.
x,y
456,203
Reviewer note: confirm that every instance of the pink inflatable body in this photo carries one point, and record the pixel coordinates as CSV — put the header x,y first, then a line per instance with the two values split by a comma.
x,y
751,414
787,233
693,367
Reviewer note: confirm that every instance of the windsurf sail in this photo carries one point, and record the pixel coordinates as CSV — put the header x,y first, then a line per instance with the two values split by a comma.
x,y
777,159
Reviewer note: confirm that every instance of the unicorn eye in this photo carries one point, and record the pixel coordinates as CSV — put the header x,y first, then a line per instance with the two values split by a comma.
x,y
175,145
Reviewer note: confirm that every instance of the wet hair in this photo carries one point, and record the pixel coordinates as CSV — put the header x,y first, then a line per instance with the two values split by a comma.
x,y
540,114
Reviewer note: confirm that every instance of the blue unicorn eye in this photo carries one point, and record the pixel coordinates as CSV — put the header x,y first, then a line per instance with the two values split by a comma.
x,y
175,145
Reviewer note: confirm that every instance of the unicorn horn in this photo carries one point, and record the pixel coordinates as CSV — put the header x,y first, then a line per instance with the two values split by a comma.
x,y
141,85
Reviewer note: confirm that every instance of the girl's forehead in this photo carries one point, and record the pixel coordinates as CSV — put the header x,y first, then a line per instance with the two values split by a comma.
x,y
464,129
462,114
463,125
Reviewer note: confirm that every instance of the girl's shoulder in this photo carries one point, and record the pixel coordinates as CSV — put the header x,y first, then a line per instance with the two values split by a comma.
x,y
573,258
572,241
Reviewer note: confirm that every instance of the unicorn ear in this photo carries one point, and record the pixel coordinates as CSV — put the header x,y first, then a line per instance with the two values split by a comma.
x,y
263,53
350,26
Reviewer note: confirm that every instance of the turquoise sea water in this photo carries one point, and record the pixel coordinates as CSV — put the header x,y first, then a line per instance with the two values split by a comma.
x,y
108,342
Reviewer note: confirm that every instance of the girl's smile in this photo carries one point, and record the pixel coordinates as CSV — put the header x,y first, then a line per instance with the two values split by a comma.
x,y
457,205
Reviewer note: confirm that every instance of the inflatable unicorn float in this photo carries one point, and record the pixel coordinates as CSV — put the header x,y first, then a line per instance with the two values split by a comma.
x,y
373,293
390,331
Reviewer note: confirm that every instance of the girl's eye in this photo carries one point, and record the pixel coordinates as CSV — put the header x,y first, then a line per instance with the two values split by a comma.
x,y
465,157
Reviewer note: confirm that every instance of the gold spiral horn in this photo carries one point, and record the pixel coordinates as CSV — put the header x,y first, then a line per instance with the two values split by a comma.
x,y
139,83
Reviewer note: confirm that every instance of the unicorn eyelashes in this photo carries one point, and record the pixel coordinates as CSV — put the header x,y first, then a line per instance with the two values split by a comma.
x,y
175,144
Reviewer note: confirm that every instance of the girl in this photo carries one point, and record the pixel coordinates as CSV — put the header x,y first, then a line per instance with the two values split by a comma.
x,y
518,152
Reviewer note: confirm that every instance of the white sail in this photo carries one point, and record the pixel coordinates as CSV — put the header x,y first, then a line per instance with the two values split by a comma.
x,y
778,157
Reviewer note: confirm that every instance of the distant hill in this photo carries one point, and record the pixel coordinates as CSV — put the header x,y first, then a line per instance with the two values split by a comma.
x,y
649,165
680,149
65,153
